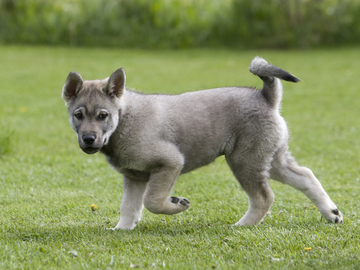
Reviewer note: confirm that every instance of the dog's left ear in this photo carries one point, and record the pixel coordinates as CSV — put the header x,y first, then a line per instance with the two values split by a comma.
x,y
116,84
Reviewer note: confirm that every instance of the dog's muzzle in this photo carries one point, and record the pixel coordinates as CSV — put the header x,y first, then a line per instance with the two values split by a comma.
x,y
89,144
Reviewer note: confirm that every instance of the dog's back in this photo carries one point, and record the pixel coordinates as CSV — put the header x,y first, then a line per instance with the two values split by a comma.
x,y
205,124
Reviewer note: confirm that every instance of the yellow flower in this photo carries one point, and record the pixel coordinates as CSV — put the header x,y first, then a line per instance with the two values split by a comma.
x,y
22,109
307,248
93,207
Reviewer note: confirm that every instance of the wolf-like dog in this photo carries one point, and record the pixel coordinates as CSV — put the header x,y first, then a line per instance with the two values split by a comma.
x,y
152,139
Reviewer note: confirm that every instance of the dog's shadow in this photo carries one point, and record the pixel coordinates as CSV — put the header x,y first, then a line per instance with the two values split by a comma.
x,y
154,229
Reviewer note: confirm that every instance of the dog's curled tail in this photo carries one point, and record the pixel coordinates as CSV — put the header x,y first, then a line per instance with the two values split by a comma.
x,y
272,89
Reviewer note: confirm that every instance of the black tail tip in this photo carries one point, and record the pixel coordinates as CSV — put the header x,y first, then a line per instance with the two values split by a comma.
x,y
290,78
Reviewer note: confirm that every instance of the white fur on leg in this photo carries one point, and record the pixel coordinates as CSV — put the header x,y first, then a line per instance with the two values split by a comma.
x,y
286,170
131,204
258,207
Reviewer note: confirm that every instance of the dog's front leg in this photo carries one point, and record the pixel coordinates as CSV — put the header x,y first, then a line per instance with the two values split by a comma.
x,y
156,198
131,203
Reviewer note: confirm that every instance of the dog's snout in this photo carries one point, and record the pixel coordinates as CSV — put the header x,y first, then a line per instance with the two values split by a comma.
x,y
89,139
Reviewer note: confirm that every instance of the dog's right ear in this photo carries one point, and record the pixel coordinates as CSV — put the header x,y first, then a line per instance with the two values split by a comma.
x,y
72,86
116,84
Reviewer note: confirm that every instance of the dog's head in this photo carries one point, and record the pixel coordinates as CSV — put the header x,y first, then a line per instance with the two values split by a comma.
x,y
94,108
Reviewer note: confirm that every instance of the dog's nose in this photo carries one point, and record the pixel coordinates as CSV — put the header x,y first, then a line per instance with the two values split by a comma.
x,y
89,139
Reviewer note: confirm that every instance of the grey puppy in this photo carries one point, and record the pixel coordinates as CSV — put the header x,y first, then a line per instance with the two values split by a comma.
x,y
152,139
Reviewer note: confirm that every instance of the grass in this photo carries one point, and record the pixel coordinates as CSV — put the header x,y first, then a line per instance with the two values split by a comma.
x,y
48,184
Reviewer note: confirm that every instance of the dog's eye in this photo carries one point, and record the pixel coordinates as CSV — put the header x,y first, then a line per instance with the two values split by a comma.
x,y
103,115
79,115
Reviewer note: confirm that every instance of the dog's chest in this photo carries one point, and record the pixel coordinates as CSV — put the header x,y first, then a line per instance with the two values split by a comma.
x,y
119,154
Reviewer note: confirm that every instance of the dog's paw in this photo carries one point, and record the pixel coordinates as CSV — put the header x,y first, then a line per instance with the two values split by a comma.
x,y
337,216
183,202
125,225
122,228
334,216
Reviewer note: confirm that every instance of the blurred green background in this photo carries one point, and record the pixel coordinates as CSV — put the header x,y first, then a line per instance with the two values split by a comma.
x,y
169,24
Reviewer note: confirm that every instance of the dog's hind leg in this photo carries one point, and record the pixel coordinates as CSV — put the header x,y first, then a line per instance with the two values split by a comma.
x,y
253,179
286,170
131,203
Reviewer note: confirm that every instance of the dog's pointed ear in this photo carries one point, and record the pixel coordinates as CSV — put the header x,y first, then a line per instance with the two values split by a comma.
x,y
116,84
72,86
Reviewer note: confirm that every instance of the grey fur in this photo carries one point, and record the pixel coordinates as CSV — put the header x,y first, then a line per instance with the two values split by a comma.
x,y
152,139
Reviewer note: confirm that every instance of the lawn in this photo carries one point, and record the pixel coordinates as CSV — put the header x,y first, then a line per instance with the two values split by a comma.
x,y
48,184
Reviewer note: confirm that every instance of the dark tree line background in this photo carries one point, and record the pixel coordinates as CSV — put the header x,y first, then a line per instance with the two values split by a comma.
x,y
169,24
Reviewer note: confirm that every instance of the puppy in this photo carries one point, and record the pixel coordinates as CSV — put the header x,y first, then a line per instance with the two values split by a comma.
x,y
152,139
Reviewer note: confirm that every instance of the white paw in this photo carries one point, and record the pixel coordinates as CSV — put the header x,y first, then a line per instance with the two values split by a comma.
x,y
123,225
334,216
183,203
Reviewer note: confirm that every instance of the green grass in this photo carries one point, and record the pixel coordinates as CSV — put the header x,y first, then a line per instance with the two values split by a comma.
x,y
48,183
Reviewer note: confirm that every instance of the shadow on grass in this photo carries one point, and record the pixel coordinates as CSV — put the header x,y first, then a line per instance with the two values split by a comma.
x,y
154,230
6,140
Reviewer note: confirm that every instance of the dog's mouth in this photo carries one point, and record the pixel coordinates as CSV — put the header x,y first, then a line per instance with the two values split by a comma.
x,y
90,150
